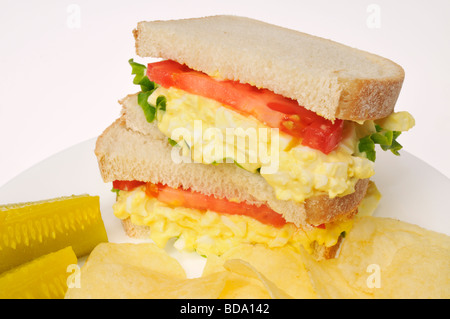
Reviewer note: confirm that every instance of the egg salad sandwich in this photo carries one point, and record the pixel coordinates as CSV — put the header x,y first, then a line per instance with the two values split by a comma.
x,y
244,131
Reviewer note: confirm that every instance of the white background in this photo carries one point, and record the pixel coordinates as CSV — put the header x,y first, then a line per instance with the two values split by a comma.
x,y
64,64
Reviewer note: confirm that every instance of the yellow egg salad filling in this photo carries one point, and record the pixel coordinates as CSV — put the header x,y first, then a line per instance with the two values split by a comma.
x,y
213,233
300,172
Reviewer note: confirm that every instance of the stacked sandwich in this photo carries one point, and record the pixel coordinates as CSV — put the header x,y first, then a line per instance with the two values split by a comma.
x,y
248,132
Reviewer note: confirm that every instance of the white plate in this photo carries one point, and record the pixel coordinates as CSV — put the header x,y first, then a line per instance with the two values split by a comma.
x,y
412,191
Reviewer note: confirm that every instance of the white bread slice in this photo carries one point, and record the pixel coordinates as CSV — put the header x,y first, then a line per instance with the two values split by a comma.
x,y
134,150
329,78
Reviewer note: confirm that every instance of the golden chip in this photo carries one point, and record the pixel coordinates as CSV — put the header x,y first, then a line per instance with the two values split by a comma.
x,y
328,281
144,255
385,258
236,286
246,270
114,281
293,279
140,271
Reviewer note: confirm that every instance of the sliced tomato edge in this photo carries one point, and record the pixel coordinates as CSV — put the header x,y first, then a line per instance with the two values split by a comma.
x,y
325,148
140,183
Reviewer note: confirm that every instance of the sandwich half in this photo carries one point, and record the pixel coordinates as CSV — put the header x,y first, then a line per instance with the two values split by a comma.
x,y
249,132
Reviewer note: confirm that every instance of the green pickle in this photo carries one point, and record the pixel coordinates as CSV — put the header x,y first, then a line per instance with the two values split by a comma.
x,y
43,278
30,230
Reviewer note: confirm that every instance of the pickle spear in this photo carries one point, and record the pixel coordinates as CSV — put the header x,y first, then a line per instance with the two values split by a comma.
x,y
30,230
42,278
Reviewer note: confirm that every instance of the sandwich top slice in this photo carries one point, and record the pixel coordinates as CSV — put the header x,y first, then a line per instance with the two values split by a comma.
x,y
246,131
328,78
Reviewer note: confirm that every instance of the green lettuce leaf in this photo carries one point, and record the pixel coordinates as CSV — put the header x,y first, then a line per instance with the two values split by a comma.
x,y
385,138
140,78
147,87
149,109
172,142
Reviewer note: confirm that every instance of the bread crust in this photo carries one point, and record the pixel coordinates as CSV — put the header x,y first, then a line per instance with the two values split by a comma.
x,y
358,98
321,252
329,78
322,209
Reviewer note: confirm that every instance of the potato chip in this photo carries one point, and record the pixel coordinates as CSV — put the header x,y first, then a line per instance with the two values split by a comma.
x,y
240,287
386,258
243,268
294,279
114,281
417,275
208,287
141,271
144,255
236,286
328,281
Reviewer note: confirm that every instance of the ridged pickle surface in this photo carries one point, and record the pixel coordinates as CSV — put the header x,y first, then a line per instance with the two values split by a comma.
x,y
30,230
42,278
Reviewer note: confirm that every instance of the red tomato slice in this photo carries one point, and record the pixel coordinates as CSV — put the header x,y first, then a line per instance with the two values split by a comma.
x,y
126,185
196,200
322,136
272,109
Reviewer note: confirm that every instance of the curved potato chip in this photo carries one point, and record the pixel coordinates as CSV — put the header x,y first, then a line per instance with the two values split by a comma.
x,y
236,286
240,287
417,275
140,271
385,258
245,269
208,287
328,281
294,279
120,281
146,255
